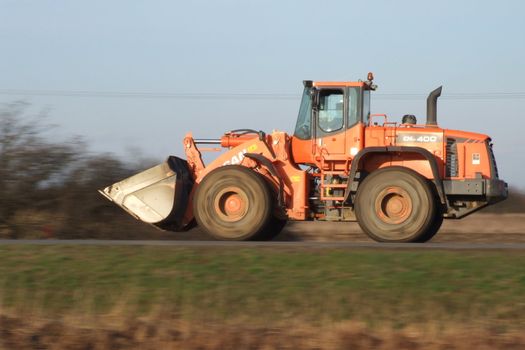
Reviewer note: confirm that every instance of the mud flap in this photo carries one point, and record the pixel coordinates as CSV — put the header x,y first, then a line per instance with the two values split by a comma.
x,y
158,196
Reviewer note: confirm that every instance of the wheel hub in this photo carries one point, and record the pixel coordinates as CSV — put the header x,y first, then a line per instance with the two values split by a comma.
x,y
393,205
231,204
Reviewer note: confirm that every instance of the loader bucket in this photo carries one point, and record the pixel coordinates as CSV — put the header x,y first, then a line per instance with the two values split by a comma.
x,y
158,196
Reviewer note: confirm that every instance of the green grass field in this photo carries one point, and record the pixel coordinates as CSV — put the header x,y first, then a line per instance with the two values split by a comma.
x,y
262,285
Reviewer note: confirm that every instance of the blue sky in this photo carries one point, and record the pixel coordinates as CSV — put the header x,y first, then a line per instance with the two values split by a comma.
x,y
260,47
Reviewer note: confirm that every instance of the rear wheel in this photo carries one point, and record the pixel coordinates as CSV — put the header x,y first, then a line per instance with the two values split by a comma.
x,y
434,228
396,204
233,203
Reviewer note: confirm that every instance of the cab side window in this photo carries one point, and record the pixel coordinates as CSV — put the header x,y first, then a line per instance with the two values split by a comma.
x,y
331,104
353,104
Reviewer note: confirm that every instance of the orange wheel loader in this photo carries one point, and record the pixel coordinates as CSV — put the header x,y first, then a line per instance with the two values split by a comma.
x,y
398,180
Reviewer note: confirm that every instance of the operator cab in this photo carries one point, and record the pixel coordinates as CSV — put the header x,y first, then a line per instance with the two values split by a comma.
x,y
328,107
330,113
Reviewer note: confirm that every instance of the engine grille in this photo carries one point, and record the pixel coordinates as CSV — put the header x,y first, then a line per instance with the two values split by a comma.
x,y
492,160
451,168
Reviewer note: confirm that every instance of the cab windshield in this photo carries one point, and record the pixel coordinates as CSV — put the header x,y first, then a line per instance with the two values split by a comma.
x,y
303,128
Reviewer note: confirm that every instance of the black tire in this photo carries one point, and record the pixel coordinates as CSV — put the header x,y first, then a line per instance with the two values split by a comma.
x,y
434,228
274,226
233,203
396,204
277,220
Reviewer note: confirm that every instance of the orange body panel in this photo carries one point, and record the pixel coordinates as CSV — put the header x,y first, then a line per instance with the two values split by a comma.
x,y
430,139
473,156
340,147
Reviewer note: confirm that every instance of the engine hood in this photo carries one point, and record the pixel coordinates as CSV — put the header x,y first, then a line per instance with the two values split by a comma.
x,y
465,136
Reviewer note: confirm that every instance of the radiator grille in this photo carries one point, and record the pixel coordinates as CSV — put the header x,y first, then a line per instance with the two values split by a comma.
x,y
452,158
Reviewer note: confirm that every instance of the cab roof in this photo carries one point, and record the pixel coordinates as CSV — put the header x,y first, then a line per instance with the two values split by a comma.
x,y
339,83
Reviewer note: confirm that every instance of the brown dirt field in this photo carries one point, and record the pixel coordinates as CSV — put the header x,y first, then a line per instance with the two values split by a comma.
x,y
479,228
166,333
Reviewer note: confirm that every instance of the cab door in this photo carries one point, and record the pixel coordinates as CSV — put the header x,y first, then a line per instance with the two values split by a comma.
x,y
358,107
330,126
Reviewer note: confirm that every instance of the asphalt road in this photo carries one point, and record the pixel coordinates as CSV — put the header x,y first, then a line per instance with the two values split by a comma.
x,y
273,244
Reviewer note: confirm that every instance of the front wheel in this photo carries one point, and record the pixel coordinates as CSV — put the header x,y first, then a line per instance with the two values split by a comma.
x,y
274,226
396,204
233,203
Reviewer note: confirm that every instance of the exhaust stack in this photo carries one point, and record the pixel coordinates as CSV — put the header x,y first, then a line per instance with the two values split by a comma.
x,y
432,106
